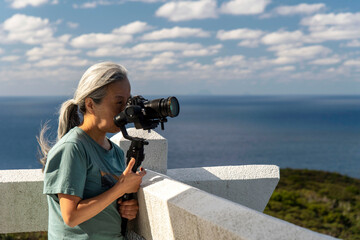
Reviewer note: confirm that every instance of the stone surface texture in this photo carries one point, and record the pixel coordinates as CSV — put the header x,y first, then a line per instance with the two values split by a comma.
x,y
249,185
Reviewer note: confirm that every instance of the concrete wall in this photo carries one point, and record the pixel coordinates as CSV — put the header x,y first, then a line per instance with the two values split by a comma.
x,y
168,210
23,207
248,185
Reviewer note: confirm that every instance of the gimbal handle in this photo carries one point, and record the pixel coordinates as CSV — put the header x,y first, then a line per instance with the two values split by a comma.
x,y
136,151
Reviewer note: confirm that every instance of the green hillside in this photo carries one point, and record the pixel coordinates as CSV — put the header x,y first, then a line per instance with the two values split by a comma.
x,y
324,202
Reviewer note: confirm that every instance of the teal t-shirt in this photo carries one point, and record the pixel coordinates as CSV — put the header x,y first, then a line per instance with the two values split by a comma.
x,y
71,169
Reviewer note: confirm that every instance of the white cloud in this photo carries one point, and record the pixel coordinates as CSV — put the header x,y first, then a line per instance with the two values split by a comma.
x,y
188,10
175,32
62,61
333,34
250,37
302,8
54,49
111,51
284,60
132,28
292,55
249,43
241,33
86,5
165,46
2,51
148,1
326,61
118,36
353,62
229,61
353,43
11,58
282,37
332,19
305,52
285,68
72,25
161,60
212,50
93,40
95,3
244,7
38,79
280,47
145,49
325,27
64,38
17,4
196,66
26,29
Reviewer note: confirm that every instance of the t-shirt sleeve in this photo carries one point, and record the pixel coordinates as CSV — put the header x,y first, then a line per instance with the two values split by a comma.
x,y
65,171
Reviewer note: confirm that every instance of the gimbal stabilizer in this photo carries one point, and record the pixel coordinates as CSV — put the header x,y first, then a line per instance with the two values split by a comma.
x,y
145,115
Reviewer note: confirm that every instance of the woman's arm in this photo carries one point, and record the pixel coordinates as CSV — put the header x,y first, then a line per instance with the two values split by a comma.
x,y
74,210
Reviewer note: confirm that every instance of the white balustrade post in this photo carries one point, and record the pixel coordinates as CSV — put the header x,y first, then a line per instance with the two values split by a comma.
x,y
155,153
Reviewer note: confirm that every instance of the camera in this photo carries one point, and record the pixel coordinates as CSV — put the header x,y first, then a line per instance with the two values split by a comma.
x,y
147,114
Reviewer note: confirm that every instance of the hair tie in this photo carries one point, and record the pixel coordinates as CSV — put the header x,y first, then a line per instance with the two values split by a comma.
x,y
73,101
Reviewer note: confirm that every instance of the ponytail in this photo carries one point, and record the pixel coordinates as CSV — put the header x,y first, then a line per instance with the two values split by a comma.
x,y
68,118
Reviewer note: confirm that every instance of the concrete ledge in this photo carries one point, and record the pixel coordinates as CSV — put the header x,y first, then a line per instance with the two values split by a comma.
x,y
23,207
168,210
155,152
248,185
173,210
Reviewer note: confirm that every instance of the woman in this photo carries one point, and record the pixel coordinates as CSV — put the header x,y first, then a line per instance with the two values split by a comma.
x,y
84,171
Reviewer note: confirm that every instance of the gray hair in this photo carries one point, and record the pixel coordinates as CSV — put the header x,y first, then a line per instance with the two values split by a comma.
x,y
92,85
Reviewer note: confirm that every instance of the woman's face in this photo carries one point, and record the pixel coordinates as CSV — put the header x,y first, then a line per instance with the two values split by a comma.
x,y
112,104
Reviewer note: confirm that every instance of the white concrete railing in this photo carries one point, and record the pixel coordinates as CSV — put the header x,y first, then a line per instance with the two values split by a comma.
x,y
169,209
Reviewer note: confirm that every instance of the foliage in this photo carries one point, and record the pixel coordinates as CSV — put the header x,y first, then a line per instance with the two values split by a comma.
x,y
24,236
324,202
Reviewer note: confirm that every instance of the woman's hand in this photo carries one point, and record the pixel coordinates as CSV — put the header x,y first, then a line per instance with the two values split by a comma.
x,y
128,209
129,182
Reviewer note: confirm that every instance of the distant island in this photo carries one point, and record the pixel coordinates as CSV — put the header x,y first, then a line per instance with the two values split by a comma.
x,y
324,202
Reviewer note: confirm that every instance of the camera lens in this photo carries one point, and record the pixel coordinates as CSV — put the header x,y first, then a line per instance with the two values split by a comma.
x,y
159,108
173,106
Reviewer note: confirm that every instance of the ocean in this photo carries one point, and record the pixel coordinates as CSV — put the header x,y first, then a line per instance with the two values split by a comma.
x,y
301,132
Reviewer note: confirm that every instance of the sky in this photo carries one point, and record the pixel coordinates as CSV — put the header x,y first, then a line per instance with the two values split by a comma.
x,y
202,47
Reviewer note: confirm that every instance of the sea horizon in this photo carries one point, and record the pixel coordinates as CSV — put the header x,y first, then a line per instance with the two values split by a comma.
x,y
319,132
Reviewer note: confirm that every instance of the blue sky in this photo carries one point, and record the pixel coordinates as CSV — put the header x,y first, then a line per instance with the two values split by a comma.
x,y
229,47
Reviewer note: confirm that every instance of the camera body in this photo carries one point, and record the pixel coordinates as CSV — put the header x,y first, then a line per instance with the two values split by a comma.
x,y
147,114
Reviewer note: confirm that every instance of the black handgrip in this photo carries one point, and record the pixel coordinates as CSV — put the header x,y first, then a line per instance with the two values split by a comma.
x,y
124,221
136,151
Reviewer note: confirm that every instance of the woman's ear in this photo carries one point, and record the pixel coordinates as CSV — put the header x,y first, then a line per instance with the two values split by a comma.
x,y
89,105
